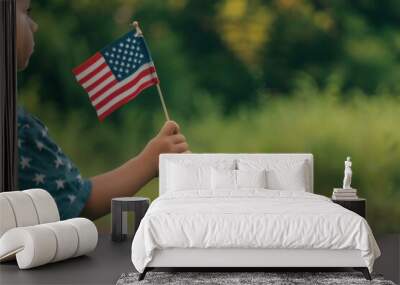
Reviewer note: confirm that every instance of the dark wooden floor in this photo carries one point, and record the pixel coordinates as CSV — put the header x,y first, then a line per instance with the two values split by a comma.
x,y
389,262
102,266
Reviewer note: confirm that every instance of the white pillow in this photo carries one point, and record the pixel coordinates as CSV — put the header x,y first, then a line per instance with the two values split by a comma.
x,y
226,179
223,179
220,163
281,174
290,179
188,177
251,178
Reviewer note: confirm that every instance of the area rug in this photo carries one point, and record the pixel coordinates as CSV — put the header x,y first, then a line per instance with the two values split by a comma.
x,y
243,278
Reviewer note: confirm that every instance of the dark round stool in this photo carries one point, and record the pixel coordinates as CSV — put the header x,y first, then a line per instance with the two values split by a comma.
x,y
119,215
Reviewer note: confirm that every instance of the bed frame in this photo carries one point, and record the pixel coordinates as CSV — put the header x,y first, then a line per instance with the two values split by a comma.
x,y
243,259
249,258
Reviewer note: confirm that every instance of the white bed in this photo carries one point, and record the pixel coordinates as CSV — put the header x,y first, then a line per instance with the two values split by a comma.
x,y
286,226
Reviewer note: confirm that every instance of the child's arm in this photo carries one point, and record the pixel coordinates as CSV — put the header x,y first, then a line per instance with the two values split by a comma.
x,y
127,179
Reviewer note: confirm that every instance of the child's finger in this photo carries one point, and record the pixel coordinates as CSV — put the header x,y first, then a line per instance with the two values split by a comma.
x,y
182,147
170,128
179,138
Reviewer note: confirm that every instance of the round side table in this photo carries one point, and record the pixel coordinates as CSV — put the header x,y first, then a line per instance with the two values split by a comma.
x,y
119,213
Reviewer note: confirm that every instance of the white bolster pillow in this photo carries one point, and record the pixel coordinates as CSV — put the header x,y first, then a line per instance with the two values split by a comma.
x,y
41,244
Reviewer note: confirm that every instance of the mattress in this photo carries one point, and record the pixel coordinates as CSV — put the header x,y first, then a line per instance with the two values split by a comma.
x,y
251,219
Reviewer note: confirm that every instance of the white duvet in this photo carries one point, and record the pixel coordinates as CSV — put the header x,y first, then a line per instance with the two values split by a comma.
x,y
250,219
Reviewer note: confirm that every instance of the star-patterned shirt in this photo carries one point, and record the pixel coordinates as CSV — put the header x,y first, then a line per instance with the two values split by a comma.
x,y
42,164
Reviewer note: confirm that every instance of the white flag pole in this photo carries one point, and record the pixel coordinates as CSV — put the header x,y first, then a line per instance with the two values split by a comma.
x,y
135,24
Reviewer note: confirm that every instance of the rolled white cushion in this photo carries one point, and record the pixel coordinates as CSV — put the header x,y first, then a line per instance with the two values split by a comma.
x,y
23,208
7,218
45,205
66,238
36,244
87,235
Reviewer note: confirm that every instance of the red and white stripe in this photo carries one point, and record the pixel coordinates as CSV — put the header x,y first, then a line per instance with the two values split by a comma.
x,y
105,91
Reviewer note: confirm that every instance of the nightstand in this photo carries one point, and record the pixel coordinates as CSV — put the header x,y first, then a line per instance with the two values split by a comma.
x,y
358,206
119,215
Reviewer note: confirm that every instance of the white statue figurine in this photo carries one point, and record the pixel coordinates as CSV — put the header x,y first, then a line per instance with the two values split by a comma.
x,y
347,174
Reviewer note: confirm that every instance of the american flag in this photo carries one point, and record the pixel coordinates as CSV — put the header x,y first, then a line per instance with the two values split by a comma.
x,y
117,73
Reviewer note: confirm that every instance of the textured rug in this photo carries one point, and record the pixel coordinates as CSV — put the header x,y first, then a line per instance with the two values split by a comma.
x,y
243,278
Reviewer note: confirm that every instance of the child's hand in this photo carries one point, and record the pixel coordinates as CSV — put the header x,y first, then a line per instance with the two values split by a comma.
x,y
168,140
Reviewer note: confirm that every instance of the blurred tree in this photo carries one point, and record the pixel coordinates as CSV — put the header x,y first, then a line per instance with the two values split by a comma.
x,y
235,47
